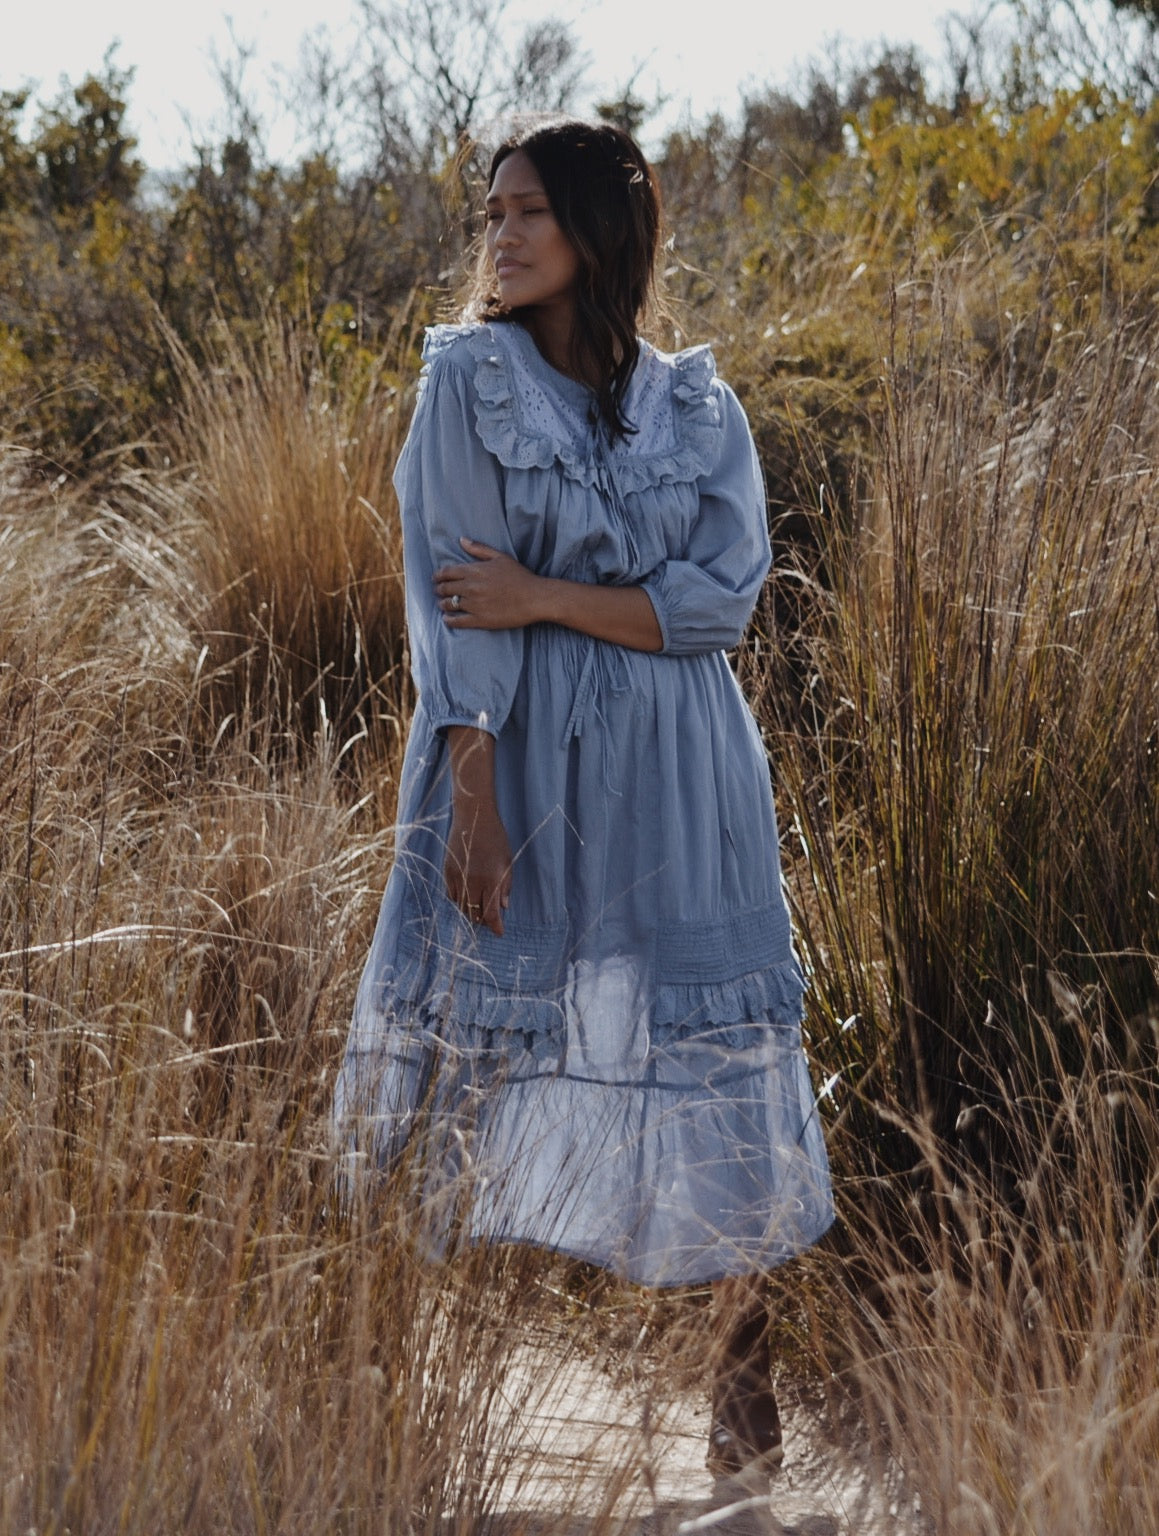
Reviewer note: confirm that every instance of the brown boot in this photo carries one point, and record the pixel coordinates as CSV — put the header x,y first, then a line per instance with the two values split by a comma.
x,y
746,1426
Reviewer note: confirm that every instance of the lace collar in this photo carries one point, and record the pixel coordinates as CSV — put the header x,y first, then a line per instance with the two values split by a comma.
x,y
531,416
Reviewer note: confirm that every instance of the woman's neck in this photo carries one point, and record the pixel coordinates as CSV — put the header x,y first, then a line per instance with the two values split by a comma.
x,y
550,328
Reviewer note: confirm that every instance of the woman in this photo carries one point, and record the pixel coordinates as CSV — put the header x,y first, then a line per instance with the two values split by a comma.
x,y
582,972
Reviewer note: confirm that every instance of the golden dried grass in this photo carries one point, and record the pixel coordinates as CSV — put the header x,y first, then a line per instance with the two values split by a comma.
x,y
293,549
194,1337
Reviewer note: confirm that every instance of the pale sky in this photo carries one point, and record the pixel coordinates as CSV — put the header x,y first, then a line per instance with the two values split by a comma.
x,y
698,53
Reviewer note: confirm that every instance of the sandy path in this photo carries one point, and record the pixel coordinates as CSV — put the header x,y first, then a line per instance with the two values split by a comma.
x,y
589,1454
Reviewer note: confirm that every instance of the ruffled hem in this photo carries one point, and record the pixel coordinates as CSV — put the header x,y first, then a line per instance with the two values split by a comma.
x,y
682,1172
697,423
734,1013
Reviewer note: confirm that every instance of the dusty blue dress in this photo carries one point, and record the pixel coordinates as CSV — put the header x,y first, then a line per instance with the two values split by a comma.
x,y
620,1076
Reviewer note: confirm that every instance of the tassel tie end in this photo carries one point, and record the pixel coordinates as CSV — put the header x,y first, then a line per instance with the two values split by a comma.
x,y
604,670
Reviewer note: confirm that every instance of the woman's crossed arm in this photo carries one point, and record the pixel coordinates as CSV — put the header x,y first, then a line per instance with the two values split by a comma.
x,y
494,591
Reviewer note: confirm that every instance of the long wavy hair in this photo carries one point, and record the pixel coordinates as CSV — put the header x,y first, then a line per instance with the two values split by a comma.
x,y
606,200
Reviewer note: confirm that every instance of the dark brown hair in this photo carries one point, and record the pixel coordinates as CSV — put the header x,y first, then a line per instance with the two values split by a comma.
x,y
606,200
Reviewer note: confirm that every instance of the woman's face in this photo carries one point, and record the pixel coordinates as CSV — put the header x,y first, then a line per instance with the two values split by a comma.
x,y
533,259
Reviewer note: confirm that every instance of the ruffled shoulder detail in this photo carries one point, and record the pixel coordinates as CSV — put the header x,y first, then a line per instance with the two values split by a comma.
x,y
438,339
526,420
522,421
681,425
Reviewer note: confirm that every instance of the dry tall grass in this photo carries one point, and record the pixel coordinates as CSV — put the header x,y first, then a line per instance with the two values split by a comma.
x,y
1007,1350
294,554
969,734
194,1337
970,761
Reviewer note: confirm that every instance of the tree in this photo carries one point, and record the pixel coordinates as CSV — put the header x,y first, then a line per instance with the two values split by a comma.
x,y
18,174
441,69
82,148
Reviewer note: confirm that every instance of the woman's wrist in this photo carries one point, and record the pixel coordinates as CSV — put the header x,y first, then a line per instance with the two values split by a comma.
x,y
472,754
536,600
474,810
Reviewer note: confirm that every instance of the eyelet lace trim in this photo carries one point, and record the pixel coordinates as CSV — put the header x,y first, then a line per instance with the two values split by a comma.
x,y
673,400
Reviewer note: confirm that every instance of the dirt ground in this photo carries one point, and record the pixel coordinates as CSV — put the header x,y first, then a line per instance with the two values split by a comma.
x,y
590,1454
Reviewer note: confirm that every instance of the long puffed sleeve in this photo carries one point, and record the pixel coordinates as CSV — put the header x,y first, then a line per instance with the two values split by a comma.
x,y
704,600
449,486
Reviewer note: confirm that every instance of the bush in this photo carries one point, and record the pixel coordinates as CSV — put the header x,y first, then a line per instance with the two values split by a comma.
x,y
292,542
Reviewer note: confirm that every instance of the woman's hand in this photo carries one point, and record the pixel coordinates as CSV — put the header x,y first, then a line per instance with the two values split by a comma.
x,y
492,592
496,592
477,868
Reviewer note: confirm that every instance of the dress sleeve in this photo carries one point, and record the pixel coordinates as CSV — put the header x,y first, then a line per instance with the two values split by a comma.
x,y
704,599
449,486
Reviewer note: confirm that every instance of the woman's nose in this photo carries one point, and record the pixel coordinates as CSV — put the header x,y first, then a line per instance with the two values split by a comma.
x,y
505,234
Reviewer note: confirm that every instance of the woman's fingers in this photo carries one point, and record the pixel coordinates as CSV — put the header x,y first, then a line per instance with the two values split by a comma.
x,y
452,591
477,904
454,600
482,900
487,901
479,575
493,592
491,914
484,907
478,552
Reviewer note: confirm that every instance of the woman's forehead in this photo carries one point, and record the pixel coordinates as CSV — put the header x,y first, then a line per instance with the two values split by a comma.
x,y
516,177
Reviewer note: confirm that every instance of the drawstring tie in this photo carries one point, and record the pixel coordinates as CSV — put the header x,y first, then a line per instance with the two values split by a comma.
x,y
604,670
613,499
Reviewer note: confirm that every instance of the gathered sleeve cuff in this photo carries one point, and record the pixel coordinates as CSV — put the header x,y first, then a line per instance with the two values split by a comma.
x,y
704,600
450,487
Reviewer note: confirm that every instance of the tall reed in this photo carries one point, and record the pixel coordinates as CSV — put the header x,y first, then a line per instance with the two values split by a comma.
x,y
965,731
971,761
1006,1351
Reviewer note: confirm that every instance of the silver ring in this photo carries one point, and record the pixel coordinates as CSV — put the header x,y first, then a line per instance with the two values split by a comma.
x,y
456,601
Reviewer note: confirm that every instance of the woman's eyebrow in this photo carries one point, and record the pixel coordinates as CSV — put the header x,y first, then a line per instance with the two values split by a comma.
x,y
522,195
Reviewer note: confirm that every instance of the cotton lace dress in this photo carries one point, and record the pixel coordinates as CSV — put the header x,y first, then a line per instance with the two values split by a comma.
x,y
620,1076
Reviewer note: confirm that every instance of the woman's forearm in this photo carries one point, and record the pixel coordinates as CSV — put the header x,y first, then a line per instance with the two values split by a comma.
x,y
494,591
477,867
622,615
472,754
